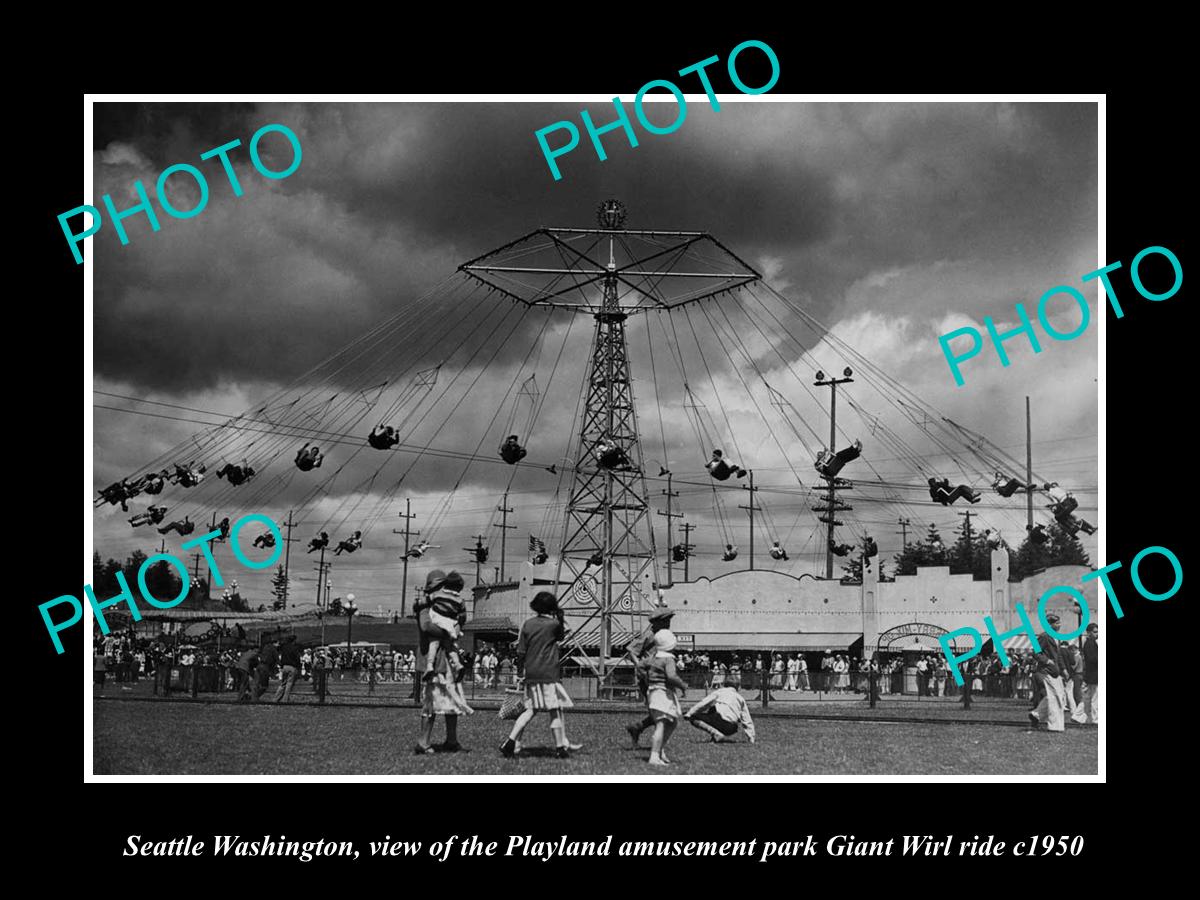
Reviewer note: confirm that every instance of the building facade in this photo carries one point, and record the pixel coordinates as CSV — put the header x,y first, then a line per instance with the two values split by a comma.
x,y
769,610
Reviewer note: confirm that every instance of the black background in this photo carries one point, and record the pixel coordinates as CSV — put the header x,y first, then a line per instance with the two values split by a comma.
x,y
1150,408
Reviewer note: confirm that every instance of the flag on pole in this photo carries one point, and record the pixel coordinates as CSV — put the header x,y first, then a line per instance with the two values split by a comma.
x,y
537,551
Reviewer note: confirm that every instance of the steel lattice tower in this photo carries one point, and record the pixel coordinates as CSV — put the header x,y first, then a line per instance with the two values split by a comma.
x,y
608,514
607,568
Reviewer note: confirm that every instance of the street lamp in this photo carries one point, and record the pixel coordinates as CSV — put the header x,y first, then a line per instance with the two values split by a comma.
x,y
350,611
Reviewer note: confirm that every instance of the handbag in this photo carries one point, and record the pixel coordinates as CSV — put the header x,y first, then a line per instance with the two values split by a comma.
x,y
514,703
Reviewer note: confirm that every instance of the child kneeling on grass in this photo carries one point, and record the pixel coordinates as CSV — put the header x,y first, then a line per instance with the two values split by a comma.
x,y
662,699
537,651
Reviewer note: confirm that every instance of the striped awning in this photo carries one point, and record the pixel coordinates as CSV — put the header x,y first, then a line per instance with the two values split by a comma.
x,y
589,636
1018,642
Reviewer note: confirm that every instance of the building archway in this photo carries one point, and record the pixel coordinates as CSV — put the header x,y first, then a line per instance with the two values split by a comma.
x,y
916,636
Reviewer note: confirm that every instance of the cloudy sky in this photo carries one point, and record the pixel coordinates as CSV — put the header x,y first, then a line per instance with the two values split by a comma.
x,y
889,223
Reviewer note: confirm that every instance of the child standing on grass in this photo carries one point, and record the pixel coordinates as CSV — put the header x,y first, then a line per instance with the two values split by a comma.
x,y
537,649
665,688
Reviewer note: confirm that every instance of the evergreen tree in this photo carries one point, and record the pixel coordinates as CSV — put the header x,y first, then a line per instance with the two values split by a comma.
x,y
970,555
1028,559
929,551
1065,549
132,564
1062,549
883,575
162,581
853,569
104,577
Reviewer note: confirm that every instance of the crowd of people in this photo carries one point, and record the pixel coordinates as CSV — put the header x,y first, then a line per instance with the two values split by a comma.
x,y
127,658
123,659
1059,680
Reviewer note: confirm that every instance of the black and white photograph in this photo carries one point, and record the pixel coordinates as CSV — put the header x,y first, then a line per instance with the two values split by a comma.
x,y
426,444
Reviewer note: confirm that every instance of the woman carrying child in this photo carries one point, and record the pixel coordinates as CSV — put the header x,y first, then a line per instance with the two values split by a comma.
x,y
441,690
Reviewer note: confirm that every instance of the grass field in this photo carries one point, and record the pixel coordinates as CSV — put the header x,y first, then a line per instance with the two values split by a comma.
x,y
153,738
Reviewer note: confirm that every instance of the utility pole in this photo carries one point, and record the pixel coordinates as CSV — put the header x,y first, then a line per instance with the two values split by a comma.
x,y
687,529
670,515
903,523
478,551
322,570
751,488
504,510
970,546
407,516
832,504
287,558
208,570
1029,462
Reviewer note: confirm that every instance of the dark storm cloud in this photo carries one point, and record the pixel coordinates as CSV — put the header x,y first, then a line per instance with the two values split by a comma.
x,y
392,197
893,222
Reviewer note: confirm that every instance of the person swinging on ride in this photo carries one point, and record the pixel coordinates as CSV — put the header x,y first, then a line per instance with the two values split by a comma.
x,y
839,549
152,516
309,458
349,545
438,615
266,539
223,527
154,482
1062,508
939,490
1006,486
383,437
320,542
730,553
418,551
719,469
777,552
187,526
829,463
189,475
870,548
1037,534
511,450
119,492
236,475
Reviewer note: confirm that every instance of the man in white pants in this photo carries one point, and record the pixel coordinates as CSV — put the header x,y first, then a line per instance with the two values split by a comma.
x,y
1072,658
1091,675
1049,666
793,672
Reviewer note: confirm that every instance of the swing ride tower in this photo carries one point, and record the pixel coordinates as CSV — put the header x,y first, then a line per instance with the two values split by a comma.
x,y
607,564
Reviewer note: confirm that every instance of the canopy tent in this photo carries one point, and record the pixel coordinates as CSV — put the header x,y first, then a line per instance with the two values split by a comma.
x,y
492,628
1011,643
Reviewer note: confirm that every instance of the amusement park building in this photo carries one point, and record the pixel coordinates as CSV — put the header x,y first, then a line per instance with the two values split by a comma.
x,y
769,610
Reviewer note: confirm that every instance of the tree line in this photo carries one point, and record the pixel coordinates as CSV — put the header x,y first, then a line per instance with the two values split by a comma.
x,y
970,553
